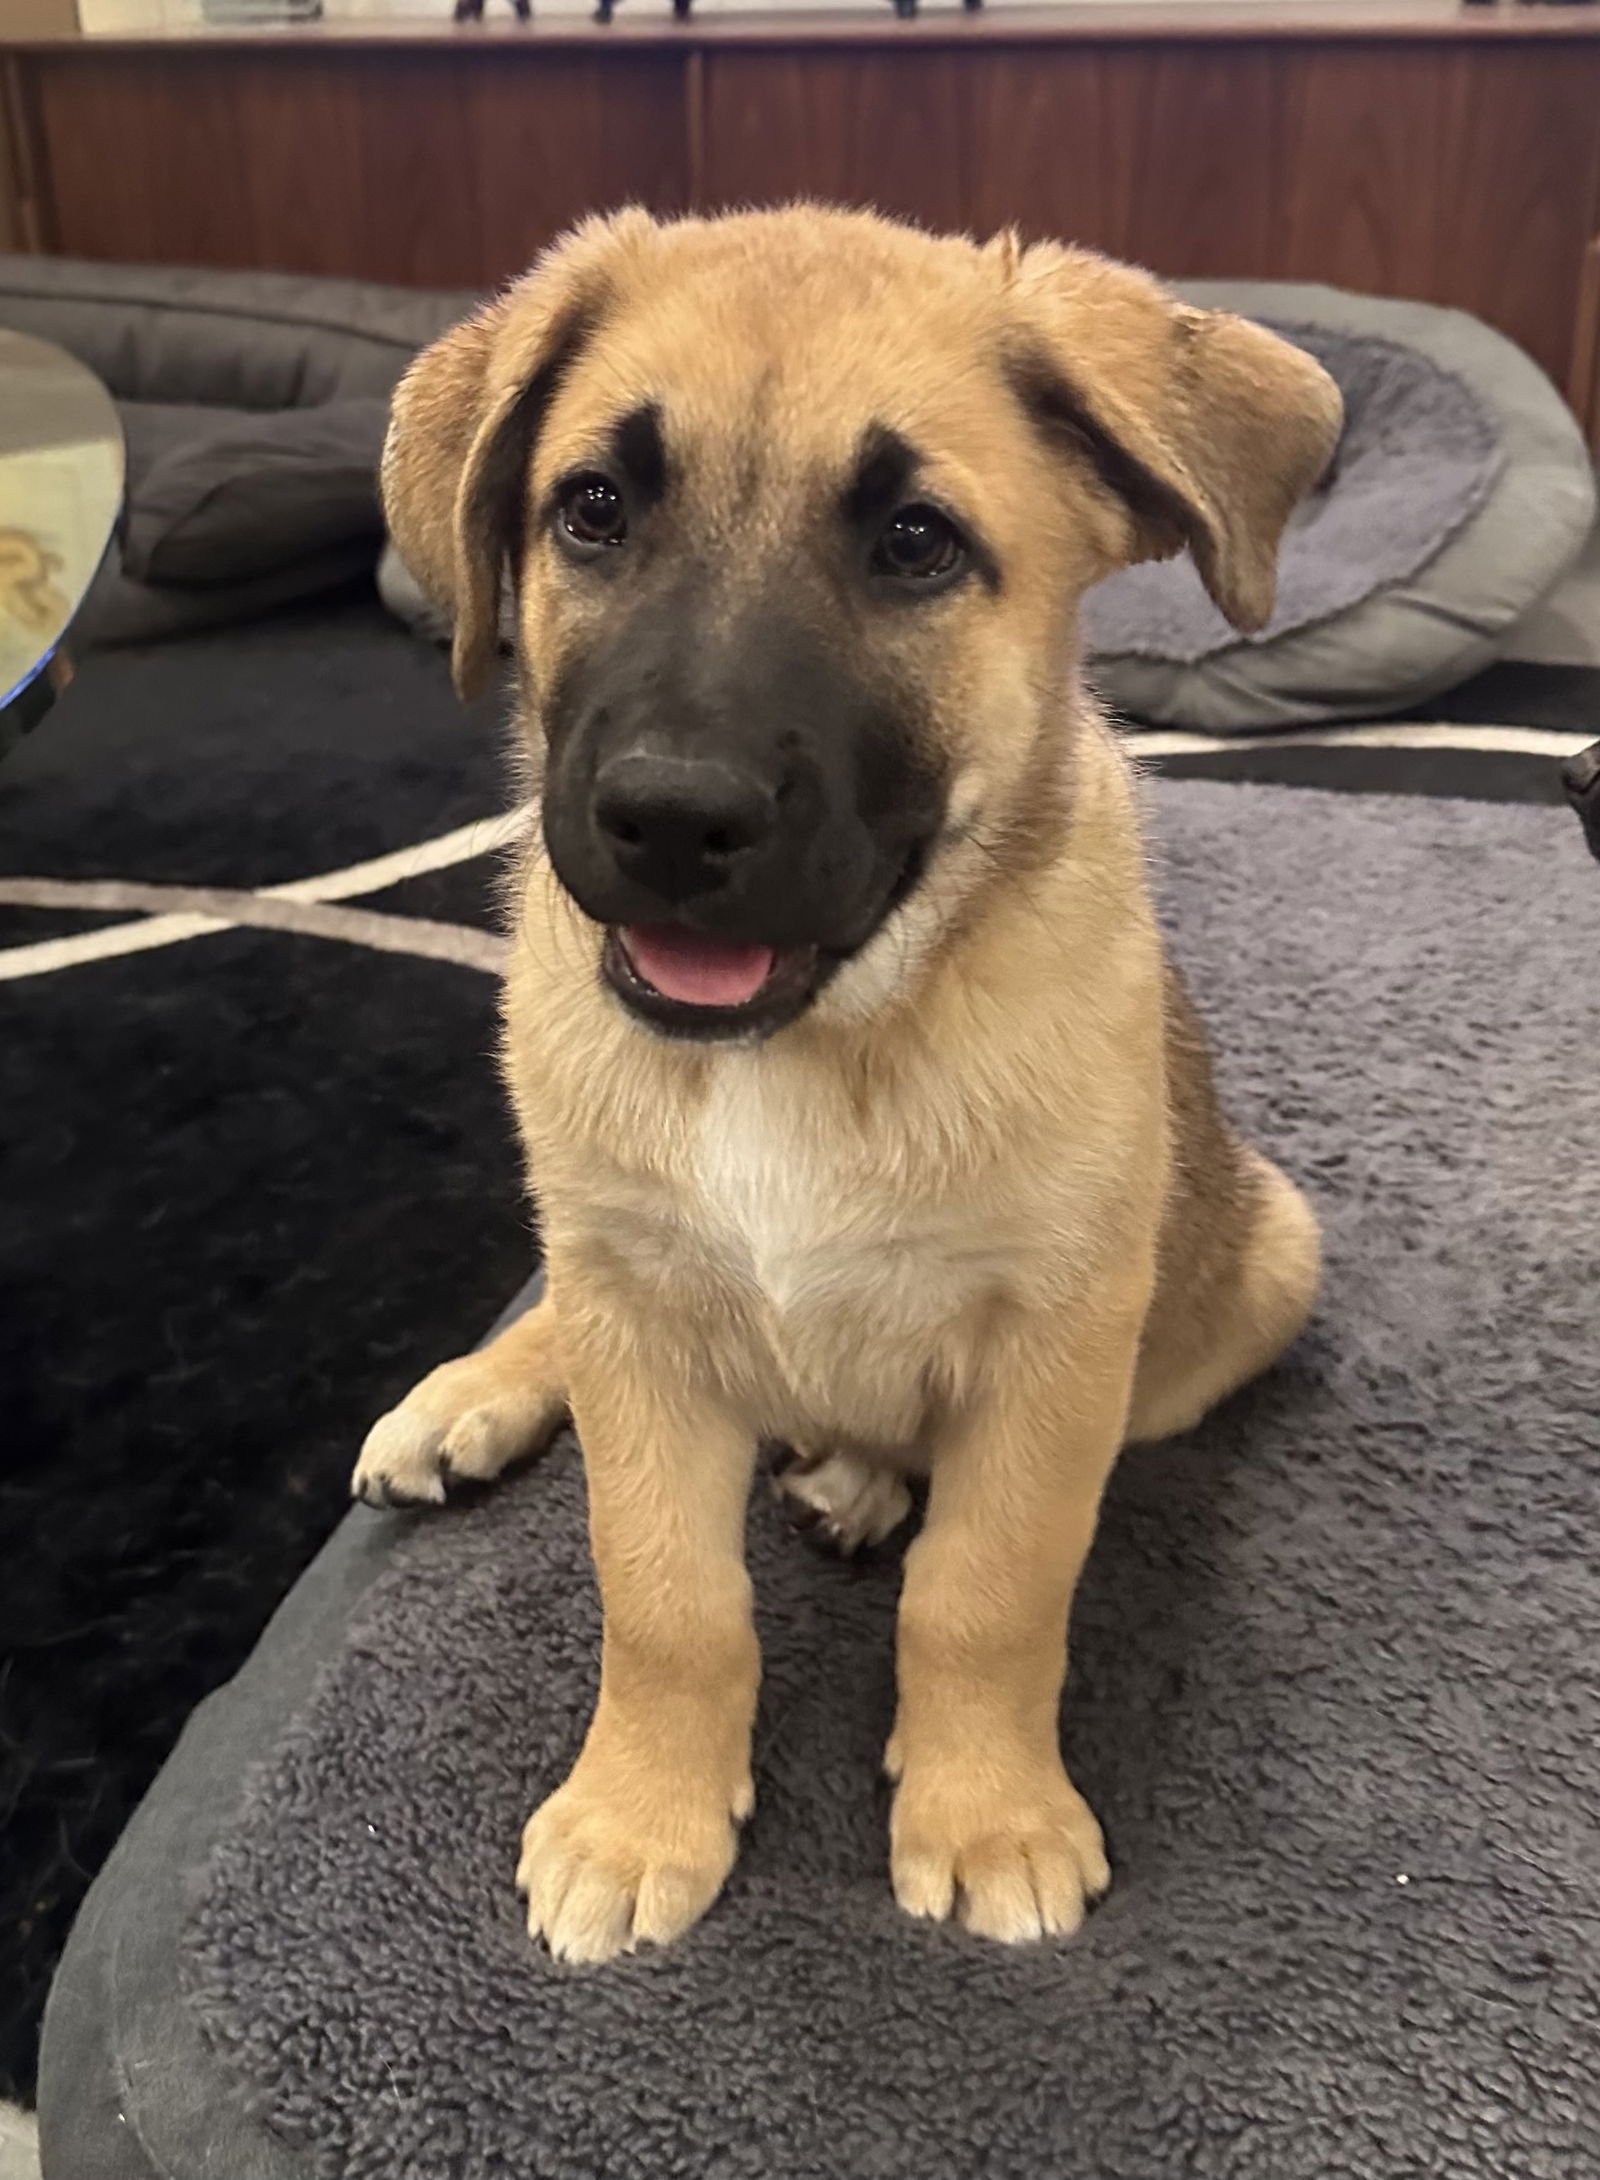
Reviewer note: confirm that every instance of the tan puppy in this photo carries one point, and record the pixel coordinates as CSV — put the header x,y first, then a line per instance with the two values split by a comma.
x,y
863,1108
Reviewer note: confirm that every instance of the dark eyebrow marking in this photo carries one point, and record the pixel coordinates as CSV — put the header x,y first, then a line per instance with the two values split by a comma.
x,y
885,466
885,478
641,453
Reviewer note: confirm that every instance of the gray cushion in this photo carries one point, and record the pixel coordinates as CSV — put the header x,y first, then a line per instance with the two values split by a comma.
x,y
120,610
1422,630
1332,1694
227,340
241,497
252,405
151,430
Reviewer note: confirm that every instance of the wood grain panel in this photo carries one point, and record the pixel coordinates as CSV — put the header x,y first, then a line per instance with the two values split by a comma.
x,y
866,128
12,236
1158,154
24,208
1519,181
1163,154
1048,150
1460,168
1468,175
361,163
1195,136
1361,153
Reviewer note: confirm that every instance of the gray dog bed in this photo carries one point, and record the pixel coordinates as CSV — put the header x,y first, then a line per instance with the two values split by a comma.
x,y
1462,491
253,406
1336,1695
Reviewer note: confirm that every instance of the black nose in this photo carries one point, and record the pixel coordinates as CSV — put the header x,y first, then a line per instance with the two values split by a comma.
x,y
681,825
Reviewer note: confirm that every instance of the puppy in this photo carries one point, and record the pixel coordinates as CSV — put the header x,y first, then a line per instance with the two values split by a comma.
x,y
864,1110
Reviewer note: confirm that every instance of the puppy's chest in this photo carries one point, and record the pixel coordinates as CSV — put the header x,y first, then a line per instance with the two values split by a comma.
x,y
769,1213
857,1268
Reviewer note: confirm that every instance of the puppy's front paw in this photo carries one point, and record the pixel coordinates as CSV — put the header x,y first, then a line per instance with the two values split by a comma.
x,y
614,1859
462,1423
1014,1856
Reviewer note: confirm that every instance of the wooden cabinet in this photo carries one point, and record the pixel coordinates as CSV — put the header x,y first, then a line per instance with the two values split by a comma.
x,y
1411,147
377,163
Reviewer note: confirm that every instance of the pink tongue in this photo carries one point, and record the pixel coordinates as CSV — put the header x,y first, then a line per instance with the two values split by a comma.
x,y
699,972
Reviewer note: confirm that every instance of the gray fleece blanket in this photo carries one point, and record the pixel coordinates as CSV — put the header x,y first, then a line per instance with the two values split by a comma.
x,y
1335,1688
1417,458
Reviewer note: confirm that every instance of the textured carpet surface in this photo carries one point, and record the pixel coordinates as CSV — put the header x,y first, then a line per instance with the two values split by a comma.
x,y
1334,1689
1418,456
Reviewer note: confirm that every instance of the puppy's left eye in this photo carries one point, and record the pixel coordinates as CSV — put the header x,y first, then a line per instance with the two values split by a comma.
x,y
919,545
593,512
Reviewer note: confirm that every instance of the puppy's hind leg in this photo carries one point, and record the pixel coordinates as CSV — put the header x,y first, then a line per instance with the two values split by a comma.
x,y
1201,1346
468,1419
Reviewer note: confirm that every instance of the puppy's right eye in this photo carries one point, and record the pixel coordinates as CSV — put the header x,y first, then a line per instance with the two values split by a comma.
x,y
920,545
592,512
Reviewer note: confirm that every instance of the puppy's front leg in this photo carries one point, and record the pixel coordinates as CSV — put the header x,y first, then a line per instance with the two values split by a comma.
x,y
986,1823
638,1842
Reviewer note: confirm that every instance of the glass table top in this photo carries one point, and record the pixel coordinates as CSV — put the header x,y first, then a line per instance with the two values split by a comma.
x,y
60,490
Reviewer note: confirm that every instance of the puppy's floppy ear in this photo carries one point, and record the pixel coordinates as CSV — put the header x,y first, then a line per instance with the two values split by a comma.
x,y
1207,427
464,421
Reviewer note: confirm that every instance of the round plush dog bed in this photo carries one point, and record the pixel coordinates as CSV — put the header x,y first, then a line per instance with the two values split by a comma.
x,y
1462,490
1335,1696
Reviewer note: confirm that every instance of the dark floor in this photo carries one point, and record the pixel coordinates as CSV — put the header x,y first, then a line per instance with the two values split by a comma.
x,y
252,1183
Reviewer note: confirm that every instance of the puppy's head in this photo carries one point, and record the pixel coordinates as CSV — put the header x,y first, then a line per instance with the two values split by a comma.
x,y
797,508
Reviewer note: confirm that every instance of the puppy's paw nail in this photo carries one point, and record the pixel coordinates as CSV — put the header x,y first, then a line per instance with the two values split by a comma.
x,y
402,1462
603,1873
459,1425
1015,1866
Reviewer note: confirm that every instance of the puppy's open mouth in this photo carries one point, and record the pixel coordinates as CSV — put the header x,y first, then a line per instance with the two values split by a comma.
x,y
696,986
